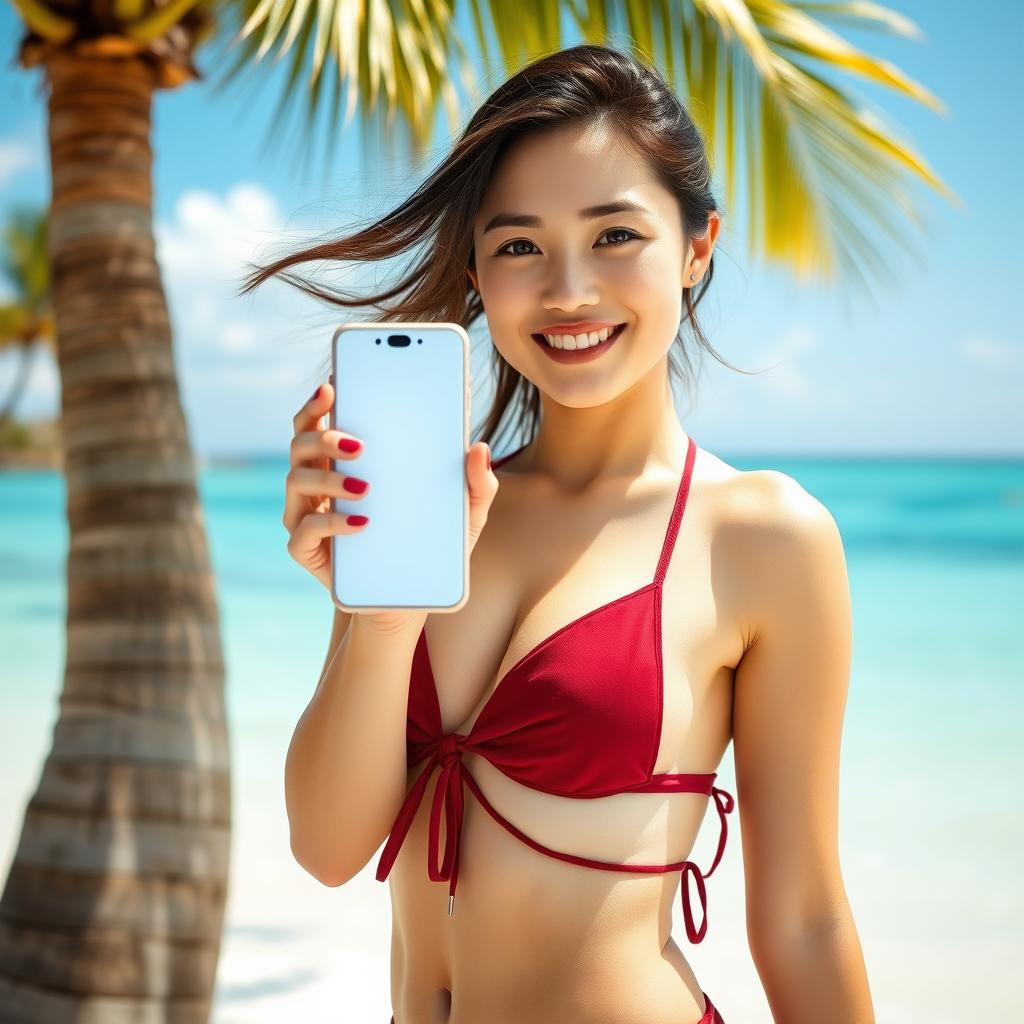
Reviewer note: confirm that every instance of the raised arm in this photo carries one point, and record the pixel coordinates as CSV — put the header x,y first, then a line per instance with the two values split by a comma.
x,y
790,699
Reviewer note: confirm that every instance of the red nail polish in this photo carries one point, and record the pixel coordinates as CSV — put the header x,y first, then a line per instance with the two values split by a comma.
x,y
316,394
348,444
355,520
354,485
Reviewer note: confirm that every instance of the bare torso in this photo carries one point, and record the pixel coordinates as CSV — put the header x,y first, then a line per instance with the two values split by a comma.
x,y
534,938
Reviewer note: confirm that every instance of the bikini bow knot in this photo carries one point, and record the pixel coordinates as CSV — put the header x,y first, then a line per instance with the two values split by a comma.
x,y
447,797
449,749
724,802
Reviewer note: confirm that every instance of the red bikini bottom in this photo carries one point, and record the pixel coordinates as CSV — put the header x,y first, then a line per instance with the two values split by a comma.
x,y
711,1014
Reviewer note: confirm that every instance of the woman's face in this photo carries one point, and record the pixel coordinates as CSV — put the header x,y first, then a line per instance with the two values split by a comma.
x,y
624,267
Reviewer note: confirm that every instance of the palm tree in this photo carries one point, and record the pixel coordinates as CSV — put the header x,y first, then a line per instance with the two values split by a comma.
x,y
27,318
114,903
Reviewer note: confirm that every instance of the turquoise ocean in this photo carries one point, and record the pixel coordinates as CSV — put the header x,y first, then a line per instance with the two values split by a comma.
x,y
932,757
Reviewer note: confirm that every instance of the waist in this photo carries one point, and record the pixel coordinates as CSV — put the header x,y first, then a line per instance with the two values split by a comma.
x,y
510,892
507,979
443,846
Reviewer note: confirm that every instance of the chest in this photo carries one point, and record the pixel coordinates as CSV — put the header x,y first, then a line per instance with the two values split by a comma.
x,y
572,582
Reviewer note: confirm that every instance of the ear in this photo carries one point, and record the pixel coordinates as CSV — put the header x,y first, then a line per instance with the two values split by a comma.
x,y
700,250
472,278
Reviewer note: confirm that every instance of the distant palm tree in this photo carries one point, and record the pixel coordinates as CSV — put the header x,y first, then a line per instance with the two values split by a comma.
x,y
26,320
114,903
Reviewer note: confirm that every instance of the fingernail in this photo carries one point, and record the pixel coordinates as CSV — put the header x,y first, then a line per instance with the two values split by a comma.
x,y
316,394
355,520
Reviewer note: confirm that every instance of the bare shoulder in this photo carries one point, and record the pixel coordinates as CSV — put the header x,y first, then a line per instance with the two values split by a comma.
x,y
780,538
765,499
768,502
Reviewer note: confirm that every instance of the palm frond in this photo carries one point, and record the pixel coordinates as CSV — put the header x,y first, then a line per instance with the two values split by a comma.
x,y
759,77
391,58
750,79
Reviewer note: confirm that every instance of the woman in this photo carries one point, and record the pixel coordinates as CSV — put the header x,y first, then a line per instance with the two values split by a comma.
x,y
635,604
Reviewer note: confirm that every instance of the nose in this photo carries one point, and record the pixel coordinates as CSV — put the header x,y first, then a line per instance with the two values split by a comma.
x,y
571,287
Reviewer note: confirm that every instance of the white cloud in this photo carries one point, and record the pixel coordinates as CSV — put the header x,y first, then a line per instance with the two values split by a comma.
x,y
246,363
214,236
16,155
203,251
991,353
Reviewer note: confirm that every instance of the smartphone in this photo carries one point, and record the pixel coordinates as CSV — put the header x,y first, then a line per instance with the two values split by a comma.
x,y
404,390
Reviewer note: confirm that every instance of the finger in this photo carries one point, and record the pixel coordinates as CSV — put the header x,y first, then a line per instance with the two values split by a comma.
x,y
314,446
306,487
483,486
305,541
480,460
310,415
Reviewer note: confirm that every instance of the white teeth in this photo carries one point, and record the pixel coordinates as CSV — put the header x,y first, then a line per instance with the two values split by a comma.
x,y
578,341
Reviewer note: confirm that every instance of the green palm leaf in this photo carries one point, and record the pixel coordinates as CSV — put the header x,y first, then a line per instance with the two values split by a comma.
x,y
820,166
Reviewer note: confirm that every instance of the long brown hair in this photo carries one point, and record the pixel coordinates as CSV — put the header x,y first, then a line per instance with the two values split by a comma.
x,y
576,86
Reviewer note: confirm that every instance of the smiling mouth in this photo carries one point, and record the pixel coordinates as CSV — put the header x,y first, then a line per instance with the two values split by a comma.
x,y
541,340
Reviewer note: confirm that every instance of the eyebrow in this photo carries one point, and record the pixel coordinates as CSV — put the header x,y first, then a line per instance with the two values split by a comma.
x,y
529,220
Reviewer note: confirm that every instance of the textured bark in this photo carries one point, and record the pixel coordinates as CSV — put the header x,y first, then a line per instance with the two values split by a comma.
x,y
114,904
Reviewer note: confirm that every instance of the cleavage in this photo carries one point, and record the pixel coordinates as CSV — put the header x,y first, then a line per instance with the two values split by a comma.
x,y
598,557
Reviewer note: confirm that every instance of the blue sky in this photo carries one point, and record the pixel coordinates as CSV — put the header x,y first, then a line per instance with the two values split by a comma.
x,y
932,364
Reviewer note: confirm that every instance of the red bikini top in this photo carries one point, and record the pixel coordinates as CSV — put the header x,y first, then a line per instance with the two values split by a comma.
x,y
579,715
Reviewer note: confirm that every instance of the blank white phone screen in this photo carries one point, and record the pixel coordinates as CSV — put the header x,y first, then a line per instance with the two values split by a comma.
x,y
403,390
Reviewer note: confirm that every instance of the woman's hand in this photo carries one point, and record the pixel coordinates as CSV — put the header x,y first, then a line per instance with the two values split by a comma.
x,y
311,483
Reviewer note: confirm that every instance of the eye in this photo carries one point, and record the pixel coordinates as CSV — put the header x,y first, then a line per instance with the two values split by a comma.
x,y
632,235
625,231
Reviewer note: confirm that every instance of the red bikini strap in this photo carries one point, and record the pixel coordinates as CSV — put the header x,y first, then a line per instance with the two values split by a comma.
x,y
404,820
677,511
725,803
677,514
447,798
691,869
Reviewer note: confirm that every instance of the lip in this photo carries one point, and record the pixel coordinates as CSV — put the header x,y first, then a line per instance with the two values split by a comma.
x,y
586,355
577,328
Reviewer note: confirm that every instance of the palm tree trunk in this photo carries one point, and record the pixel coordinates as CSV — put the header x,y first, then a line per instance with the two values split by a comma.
x,y
114,904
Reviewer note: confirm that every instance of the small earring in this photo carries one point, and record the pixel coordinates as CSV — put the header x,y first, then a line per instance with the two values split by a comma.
x,y
693,277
